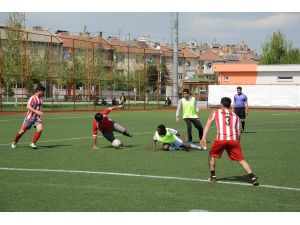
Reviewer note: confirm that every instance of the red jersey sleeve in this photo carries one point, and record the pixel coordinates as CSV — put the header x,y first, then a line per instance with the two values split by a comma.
x,y
95,128
106,111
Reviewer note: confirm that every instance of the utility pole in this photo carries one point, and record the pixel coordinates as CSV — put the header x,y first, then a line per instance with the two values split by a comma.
x,y
175,61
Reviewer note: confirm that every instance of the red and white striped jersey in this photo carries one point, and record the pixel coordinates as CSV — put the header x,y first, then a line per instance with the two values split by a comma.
x,y
227,123
36,103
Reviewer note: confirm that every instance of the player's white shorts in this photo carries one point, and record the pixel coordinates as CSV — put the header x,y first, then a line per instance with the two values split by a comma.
x,y
176,144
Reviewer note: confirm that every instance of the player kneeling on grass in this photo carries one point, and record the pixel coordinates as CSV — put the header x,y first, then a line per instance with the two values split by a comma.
x,y
171,140
107,126
228,138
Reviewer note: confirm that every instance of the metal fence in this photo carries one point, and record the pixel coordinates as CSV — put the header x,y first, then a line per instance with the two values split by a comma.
x,y
80,73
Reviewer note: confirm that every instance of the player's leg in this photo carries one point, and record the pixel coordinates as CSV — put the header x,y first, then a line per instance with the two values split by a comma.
x,y
241,113
189,129
249,171
179,144
190,146
212,167
109,136
216,151
199,127
118,128
235,153
26,125
38,133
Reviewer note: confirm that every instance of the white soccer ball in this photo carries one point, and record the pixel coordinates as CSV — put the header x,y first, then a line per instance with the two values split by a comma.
x,y
116,143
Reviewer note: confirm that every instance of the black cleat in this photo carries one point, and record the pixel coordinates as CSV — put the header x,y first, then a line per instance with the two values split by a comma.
x,y
254,181
127,134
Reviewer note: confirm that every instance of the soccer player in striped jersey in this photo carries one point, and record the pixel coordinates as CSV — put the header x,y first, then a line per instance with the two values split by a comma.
x,y
228,138
107,126
33,117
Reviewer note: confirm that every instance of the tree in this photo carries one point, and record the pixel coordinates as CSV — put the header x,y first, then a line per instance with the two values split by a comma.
x,y
10,47
279,51
152,74
165,75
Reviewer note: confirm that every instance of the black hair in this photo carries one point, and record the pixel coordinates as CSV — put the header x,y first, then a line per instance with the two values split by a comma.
x,y
186,90
226,102
98,117
239,87
40,87
161,129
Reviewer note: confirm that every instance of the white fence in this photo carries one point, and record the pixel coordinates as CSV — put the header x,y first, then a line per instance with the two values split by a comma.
x,y
259,96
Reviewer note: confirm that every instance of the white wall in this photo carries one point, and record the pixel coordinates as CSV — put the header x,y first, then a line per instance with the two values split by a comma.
x,y
260,96
268,77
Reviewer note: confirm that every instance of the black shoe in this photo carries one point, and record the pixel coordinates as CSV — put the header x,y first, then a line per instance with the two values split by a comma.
x,y
254,181
127,134
213,179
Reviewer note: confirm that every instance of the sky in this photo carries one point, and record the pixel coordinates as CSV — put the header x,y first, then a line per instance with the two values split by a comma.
x,y
252,28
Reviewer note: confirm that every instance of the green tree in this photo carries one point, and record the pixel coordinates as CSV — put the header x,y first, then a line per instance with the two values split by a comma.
x,y
279,51
11,52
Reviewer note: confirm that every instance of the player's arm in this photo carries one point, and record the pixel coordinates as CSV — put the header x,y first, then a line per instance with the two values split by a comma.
x,y
205,132
115,107
95,132
238,129
246,107
233,105
178,111
180,136
95,142
197,107
154,145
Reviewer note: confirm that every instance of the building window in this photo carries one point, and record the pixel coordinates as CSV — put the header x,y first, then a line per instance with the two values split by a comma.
x,y
226,78
285,79
180,76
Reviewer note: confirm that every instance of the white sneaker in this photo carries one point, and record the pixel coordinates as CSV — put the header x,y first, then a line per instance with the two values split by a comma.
x,y
33,146
14,145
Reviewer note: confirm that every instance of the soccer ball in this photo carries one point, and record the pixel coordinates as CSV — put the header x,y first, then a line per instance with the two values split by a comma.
x,y
116,143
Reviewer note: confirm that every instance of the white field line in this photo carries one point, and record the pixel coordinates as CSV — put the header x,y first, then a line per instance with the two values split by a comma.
x,y
80,138
145,176
137,133
56,118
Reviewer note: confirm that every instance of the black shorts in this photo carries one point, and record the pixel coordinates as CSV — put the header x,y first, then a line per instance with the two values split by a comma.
x,y
240,112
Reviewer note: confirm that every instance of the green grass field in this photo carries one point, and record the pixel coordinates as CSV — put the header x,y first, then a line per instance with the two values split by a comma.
x,y
66,174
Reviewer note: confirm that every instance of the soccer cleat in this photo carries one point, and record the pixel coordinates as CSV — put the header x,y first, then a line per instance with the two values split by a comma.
x,y
213,179
203,148
254,181
14,145
33,146
127,134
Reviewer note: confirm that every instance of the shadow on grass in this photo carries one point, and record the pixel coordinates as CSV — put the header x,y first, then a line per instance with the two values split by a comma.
x,y
52,146
249,132
244,178
123,146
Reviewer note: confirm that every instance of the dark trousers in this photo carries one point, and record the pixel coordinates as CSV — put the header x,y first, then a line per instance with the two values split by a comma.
x,y
197,124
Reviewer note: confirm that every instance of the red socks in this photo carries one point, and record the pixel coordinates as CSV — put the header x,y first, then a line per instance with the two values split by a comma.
x,y
18,136
36,136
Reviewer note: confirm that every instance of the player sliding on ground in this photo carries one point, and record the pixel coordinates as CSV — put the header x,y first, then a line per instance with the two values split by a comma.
x,y
171,140
228,138
107,126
